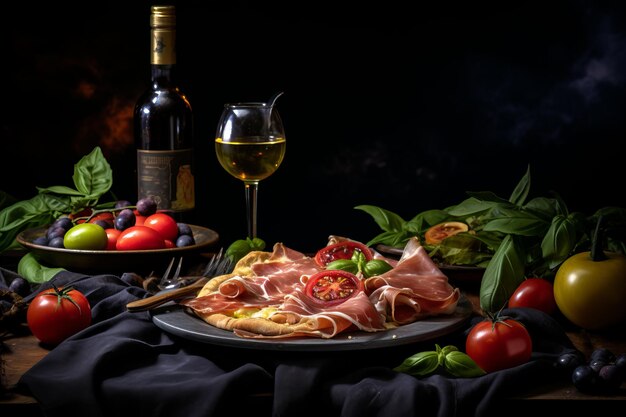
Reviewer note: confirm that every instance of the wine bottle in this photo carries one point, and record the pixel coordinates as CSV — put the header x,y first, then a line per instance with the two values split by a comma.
x,y
163,126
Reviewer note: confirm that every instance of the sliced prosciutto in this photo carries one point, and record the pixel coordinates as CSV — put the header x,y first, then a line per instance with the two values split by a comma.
x,y
272,280
299,316
274,285
414,289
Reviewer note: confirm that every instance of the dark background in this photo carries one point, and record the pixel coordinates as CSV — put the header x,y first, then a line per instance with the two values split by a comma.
x,y
402,107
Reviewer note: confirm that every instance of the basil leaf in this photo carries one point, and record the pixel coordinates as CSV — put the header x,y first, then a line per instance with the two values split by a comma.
x,y
519,194
376,267
544,208
344,265
502,276
387,220
420,364
559,241
93,175
426,219
471,206
462,365
32,271
516,222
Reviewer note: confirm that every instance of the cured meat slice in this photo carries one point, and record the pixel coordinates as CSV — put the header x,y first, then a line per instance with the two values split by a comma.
x,y
414,289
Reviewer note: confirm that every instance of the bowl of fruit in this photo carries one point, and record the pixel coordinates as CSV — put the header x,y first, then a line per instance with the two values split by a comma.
x,y
125,238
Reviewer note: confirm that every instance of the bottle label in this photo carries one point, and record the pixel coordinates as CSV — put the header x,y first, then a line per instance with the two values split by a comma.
x,y
167,177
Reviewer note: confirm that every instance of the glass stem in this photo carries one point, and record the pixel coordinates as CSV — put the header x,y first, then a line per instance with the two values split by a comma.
x,y
252,190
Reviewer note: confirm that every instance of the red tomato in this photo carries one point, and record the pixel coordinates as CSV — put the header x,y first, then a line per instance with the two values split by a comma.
x,y
56,314
140,238
169,244
535,293
140,220
112,235
332,287
341,250
164,224
498,344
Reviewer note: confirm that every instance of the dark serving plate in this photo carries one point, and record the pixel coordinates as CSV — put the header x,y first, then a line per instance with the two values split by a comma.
x,y
112,261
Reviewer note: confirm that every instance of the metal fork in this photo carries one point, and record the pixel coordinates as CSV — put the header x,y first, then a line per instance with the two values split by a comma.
x,y
167,281
218,265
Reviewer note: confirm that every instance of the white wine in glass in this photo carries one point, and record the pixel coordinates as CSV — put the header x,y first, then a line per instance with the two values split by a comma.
x,y
250,145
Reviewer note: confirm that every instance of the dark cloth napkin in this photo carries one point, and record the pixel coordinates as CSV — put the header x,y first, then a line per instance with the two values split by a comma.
x,y
124,365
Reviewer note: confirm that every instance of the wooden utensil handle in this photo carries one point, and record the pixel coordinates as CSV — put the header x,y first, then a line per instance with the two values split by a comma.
x,y
163,297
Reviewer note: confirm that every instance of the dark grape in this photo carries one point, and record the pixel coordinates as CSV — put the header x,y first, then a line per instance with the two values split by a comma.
x,y
57,242
63,222
184,229
610,377
569,361
185,240
597,364
55,231
146,206
603,354
20,286
585,379
41,240
125,219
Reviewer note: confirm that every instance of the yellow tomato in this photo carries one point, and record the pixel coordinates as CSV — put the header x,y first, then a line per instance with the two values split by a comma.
x,y
592,294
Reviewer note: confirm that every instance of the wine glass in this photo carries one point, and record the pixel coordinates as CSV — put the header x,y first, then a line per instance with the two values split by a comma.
x,y
250,145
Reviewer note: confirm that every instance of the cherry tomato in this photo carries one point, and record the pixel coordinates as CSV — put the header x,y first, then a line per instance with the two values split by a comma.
x,y
140,220
535,293
341,250
164,224
332,287
437,233
140,238
58,313
86,236
498,344
112,235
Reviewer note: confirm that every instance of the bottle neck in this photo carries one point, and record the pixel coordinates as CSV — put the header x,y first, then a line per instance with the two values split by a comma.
x,y
163,75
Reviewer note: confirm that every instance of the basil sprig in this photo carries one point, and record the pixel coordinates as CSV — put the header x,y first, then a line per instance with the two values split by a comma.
x,y
92,178
511,237
448,359
358,263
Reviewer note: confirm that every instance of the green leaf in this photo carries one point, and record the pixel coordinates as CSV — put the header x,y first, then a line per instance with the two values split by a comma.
x,y
33,271
488,197
502,276
544,208
462,365
93,175
38,211
516,222
471,206
426,219
559,241
420,364
61,190
519,194
387,220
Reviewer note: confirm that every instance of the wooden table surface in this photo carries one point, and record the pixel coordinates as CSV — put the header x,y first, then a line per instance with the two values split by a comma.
x,y
20,353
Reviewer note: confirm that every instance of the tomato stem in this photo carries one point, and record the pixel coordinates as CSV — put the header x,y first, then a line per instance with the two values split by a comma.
x,y
597,254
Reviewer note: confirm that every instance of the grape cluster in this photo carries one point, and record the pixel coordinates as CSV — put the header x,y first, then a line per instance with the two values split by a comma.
x,y
603,373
